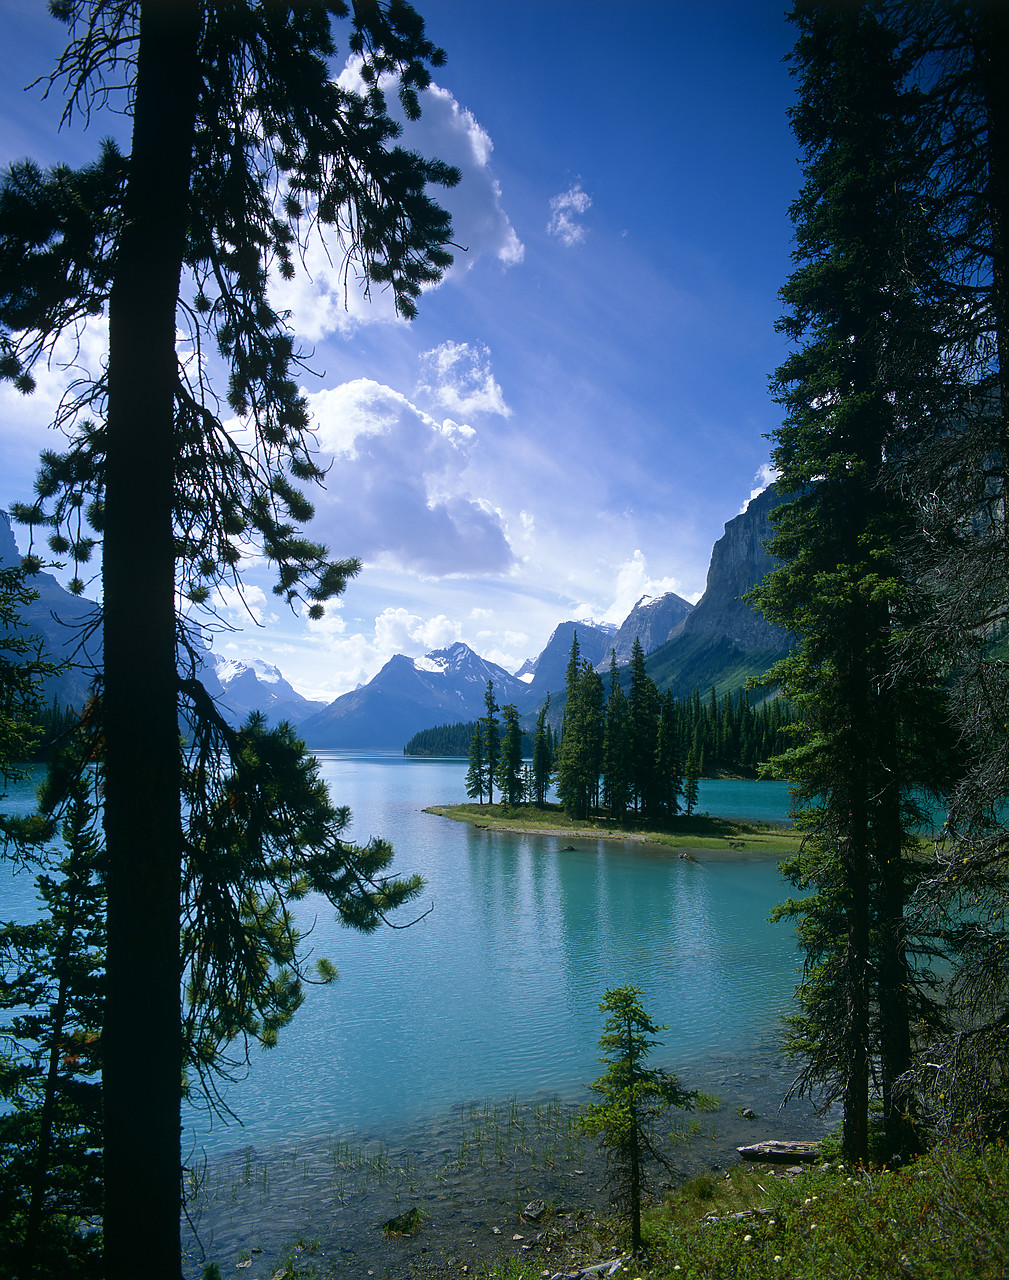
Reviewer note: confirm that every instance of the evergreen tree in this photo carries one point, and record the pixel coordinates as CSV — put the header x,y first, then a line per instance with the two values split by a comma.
x,y
634,1096
476,774
490,731
956,468
848,389
616,748
690,775
228,104
669,783
511,783
543,756
579,759
51,976
22,670
643,718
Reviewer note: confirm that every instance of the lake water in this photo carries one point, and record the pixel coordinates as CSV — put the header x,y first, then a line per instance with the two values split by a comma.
x,y
495,992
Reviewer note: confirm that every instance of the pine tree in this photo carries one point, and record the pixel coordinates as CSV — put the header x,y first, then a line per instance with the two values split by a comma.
x,y
22,670
51,980
853,381
543,756
476,774
669,783
229,103
956,468
690,789
616,748
509,771
579,759
643,718
634,1096
490,732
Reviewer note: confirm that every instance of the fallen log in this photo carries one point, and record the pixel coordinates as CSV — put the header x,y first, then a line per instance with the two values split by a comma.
x,y
780,1152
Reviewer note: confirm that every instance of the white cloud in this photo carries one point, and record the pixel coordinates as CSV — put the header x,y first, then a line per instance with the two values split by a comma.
x,y
633,581
26,419
479,223
765,475
459,380
327,295
564,211
243,603
353,659
398,492
399,631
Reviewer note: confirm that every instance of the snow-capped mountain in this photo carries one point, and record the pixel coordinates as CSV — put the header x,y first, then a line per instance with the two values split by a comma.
x,y
408,694
549,669
651,621
241,687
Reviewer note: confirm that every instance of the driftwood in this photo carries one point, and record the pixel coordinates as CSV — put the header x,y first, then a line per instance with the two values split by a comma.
x,y
785,1152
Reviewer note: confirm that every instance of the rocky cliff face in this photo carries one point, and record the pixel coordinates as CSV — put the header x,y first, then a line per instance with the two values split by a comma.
x,y
738,563
549,669
652,620
723,641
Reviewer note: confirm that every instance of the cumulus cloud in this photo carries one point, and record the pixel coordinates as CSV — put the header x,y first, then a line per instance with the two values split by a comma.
x,y
26,418
397,493
565,210
457,377
634,581
328,296
355,657
399,631
479,222
242,603
765,475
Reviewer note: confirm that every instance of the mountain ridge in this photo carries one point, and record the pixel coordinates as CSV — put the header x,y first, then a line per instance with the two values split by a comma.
x,y
720,641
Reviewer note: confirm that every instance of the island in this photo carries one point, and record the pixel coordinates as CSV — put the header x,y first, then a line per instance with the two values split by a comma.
x,y
700,833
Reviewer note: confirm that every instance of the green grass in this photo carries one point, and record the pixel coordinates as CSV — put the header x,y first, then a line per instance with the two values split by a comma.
x,y
945,1218
699,831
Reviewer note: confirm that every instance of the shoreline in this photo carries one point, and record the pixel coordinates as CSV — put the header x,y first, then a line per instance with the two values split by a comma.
x,y
470,1173
699,837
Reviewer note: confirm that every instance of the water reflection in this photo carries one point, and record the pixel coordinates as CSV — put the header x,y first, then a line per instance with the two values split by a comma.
x,y
496,992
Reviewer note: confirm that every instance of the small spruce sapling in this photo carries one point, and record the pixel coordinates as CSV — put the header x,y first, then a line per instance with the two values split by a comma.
x,y
633,1097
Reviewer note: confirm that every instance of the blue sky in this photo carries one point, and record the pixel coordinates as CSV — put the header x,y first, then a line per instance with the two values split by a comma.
x,y
582,403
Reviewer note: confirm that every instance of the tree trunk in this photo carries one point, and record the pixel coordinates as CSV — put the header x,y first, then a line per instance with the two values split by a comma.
x,y
142,1056
994,24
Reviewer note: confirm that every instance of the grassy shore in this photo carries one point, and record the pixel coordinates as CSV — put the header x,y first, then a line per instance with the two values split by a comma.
x,y
699,833
946,1217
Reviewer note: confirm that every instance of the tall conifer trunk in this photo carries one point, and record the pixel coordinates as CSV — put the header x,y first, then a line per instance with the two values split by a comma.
x,y
141,1073
993,21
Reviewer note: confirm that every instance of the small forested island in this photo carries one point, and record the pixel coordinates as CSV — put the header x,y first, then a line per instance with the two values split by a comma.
x,y
699,832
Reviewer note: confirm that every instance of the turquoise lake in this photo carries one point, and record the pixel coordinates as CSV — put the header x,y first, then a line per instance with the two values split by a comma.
x,y
495,992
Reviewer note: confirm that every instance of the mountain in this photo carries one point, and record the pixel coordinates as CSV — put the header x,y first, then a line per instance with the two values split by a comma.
x,y
652,621
69,627
548,670
242,687
724,640
409,694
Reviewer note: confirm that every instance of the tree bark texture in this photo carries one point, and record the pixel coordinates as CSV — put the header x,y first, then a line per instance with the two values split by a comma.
x,y
142,1034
